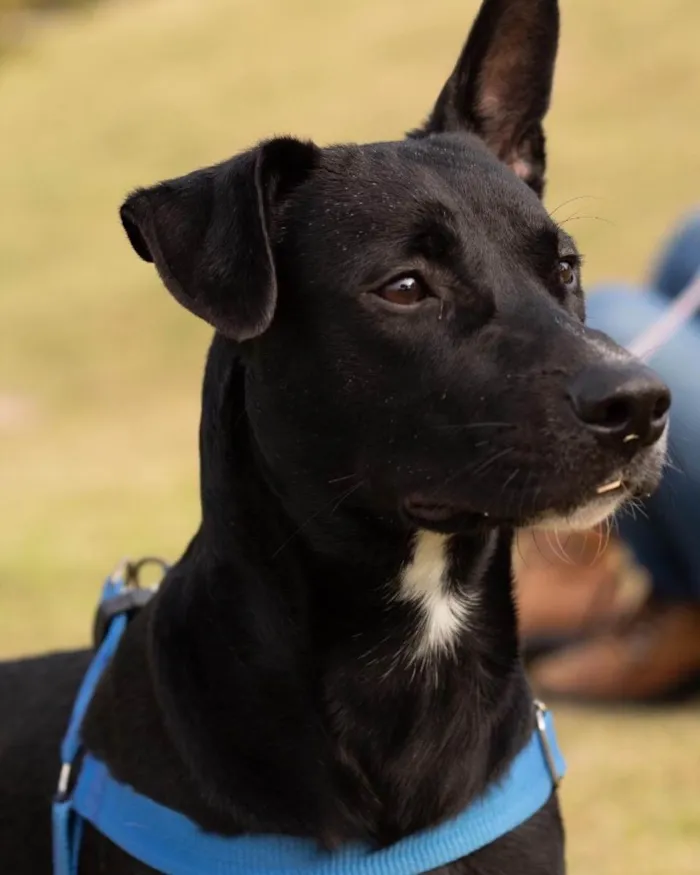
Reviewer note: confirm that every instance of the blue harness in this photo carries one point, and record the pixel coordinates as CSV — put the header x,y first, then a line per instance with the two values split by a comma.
x,y
171,843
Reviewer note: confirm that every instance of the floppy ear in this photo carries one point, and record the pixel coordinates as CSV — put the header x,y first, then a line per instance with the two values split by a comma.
x,y
208,233
501,86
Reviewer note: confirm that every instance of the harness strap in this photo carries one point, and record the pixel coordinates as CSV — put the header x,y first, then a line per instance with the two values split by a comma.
x,y
70,747
169,842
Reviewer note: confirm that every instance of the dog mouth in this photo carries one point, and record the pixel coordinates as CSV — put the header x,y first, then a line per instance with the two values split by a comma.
x,y
573,502
450,516
441,516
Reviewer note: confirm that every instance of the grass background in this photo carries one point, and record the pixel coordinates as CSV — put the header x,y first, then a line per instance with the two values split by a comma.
x,y
100,370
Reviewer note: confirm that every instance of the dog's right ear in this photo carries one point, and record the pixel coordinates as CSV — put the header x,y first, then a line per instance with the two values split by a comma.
x,y
208,233
501,86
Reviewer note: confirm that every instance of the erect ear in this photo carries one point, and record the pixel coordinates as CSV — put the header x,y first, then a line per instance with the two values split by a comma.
x,y
208,233
501,86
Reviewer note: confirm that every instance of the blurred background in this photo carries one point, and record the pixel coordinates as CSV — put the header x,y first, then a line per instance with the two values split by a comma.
x,y
100,370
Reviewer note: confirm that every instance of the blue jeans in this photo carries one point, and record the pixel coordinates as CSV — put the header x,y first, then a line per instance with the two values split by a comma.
x,y
665,535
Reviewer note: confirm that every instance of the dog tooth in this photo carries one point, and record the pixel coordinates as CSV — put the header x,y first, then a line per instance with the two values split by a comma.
x,y
608,487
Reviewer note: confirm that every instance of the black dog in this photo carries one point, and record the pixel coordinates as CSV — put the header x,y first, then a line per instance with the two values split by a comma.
x,y
400,376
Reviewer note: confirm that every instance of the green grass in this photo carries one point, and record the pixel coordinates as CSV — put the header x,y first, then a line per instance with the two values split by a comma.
x,y
100,370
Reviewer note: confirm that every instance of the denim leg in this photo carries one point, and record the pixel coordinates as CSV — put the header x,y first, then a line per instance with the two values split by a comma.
x,y
667,543
680,258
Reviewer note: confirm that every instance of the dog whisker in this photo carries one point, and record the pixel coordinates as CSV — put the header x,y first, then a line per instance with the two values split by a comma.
x,y
556,549
519,551
470,425
673,459
633,507
341,479
673,465
537,544
604,543
512,477
537,494
578,218
562,547
314,516
480,469
345,496
571,200
509,480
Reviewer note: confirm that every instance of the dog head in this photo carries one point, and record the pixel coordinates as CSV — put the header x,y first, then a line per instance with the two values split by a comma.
x,y
409,316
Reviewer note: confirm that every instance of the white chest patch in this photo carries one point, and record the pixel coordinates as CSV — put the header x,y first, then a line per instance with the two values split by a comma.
x,y
443,612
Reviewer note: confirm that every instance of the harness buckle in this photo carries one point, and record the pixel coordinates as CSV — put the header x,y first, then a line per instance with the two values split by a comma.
x,y
129,598
541,720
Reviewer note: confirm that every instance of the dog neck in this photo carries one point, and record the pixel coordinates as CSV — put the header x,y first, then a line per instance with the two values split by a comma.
x,y
290,690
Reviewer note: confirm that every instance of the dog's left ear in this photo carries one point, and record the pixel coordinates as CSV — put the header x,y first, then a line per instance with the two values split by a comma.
x,y
501,86
210,233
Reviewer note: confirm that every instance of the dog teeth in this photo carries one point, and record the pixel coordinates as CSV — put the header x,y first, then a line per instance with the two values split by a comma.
x,y
608,487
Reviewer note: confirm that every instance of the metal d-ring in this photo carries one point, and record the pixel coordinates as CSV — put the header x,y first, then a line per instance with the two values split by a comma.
x,y
131,571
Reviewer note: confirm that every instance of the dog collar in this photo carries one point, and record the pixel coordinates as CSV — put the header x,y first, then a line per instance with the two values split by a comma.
x,y
170,843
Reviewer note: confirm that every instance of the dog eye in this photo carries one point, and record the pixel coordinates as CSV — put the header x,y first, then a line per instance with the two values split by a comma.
x,y
568,278
404,291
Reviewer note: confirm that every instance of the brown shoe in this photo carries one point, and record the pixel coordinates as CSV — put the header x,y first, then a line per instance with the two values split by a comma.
x,y
655,656
571,585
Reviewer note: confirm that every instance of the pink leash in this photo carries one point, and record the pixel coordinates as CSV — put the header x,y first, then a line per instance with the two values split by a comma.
x,y
679,312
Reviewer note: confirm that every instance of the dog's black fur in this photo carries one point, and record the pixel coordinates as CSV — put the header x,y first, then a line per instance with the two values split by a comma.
x,y
277,682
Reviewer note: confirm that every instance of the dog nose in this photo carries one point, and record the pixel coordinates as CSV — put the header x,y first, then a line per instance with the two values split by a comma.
x,y
623,403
